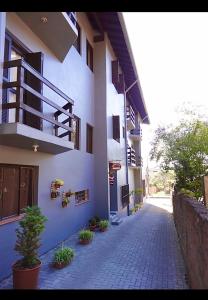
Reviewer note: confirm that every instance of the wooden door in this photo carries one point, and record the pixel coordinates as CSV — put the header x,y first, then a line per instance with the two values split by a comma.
x,y
26,187
36,61
9,188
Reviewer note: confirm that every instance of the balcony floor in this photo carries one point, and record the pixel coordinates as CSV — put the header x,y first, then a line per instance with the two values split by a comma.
x,y
23,136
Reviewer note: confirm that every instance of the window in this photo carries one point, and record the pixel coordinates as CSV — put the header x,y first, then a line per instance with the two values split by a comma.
x,y
81,196
123,132
116,128
117,78
89,56
77,43
89,142
18,190
75,135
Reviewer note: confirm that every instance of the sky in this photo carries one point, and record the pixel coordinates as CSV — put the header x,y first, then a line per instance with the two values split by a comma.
x,y
171,55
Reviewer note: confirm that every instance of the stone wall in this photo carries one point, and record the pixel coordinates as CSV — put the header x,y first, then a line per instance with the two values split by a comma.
x,y
191,221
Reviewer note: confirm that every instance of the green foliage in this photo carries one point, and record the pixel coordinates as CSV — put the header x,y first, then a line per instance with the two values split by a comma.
x,y
97,219
136,192
187,192
63,255
162,180
86,235
92,222
103,224
183,149
28,236
137,206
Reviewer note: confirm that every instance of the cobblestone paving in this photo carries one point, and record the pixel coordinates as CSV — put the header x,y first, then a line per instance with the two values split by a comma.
x,y
141,253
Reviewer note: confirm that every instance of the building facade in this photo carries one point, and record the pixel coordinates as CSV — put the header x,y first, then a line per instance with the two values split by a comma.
x,y
64,113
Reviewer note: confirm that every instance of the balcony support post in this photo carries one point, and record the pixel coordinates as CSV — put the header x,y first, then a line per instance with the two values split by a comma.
x,y
19,95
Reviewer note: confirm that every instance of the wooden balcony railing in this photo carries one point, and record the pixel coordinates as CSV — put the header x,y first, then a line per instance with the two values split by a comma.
x,y
133,159
21,87
131,156
130,114
136,132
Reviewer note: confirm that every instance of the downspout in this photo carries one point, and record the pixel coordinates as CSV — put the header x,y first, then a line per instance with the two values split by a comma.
x,y
125,122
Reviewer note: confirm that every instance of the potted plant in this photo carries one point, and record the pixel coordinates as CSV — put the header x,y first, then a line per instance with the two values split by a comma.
x,y
92,224
26,270
103,225
58,183
85,236
97,220
62,257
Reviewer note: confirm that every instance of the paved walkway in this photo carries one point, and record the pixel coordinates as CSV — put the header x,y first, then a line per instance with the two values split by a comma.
x,y
140,253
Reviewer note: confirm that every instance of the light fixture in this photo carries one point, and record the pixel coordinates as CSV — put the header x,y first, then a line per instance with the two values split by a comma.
x,y
44,19
35,147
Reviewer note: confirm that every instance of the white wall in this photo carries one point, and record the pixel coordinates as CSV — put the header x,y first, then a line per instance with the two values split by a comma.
x,y
115,106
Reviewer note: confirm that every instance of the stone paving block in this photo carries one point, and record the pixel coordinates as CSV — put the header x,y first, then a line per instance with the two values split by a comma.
x,y
141,253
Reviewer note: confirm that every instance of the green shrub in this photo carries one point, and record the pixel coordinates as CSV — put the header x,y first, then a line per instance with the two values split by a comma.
x,y
92,222
187,193
28,236
103,224
63,255
97,219
86,235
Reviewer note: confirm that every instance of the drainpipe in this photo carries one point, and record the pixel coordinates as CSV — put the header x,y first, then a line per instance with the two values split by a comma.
x,y
125,122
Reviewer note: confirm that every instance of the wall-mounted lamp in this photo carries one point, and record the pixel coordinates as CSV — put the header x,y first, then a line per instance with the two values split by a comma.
x,y
35,147
44,20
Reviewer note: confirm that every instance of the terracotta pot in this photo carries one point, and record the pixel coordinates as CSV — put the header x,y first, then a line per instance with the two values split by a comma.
x,y
25,278
64,204
84,242
60,265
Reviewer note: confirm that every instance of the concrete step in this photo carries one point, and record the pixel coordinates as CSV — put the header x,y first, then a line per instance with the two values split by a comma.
x,y
115,219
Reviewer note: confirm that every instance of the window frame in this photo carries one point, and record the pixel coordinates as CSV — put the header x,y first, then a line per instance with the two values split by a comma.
x,y
78,46
89,49
77,134
89,140
34,197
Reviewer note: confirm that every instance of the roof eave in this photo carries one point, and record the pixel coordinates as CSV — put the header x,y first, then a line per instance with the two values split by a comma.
x,y
145,120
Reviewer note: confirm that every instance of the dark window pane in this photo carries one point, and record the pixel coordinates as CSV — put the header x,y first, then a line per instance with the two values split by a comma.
x,y
89,139
77,43
89,56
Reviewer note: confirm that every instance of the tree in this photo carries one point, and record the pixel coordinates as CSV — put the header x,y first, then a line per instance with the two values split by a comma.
x,y
184,149
162,180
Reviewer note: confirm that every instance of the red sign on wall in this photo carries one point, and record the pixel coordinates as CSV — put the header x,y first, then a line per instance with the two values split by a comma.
x,y
115,166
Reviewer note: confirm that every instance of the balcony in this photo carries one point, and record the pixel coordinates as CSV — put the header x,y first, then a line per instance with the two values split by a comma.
x,y
24,122
134,161
57,30
130,118
135,134
131,157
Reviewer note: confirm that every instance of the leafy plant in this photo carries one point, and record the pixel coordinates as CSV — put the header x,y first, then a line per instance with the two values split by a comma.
x,y
64,255
187,193
92,222
97,219
103,224
86,235
59,181
132,211
183,149
28,236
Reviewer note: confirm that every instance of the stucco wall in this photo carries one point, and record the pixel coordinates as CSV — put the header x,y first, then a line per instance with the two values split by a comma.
x,y
115,106
191,220
75,167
